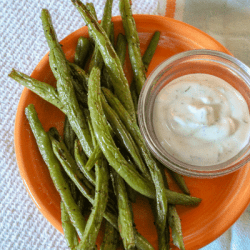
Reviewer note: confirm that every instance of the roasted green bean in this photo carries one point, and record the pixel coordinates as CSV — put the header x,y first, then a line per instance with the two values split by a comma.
x,y
180,181
110,239
44,90
96,155
133,44
82,50
65,86
125,214
175,224
97,59
70,233
106,143
120,49
61,185
149,53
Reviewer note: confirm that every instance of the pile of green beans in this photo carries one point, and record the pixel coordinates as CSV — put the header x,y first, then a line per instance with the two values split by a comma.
x,y
101,163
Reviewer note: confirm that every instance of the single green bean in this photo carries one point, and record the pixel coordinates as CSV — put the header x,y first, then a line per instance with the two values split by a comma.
x,y
61,185
120,49
65,85
134,94
70,233
110,239
82,49
112,34
69,139
146,59
44,90
76,81
97,59
96,155
125,214
131,192
149,53
101,199
175,224
106,142
112,62
180,181
133,44
176,198
91,9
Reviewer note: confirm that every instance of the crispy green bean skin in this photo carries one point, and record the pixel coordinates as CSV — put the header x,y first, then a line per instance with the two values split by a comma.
x,y
65,86
99,207
110,239
180,182
82,50
149,53
61,185
176,198
112,62
124,136
97,59
173,197
44,90
96,154
125,214
133,44
106,142
175,224
70,233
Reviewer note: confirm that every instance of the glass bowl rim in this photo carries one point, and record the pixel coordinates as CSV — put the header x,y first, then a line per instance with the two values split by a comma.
x,y
171,162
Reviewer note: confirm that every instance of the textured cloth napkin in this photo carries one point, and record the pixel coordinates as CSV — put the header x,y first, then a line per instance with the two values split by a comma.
x,y
22,226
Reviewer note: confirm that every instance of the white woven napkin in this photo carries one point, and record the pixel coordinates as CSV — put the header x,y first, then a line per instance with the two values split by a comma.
x,y
22,226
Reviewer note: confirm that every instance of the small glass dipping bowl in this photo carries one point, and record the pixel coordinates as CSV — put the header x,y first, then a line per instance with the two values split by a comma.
x,y
210,62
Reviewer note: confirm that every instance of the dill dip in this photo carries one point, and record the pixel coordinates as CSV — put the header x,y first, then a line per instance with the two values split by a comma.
x,y
201,119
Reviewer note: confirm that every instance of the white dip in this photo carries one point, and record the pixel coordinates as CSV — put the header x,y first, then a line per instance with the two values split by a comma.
x,y
201,120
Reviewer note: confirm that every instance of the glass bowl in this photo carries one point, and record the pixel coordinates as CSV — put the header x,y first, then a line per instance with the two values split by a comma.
x,y
205,61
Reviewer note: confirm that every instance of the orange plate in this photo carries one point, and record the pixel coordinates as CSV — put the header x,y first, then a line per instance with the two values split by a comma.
x,y
224,198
